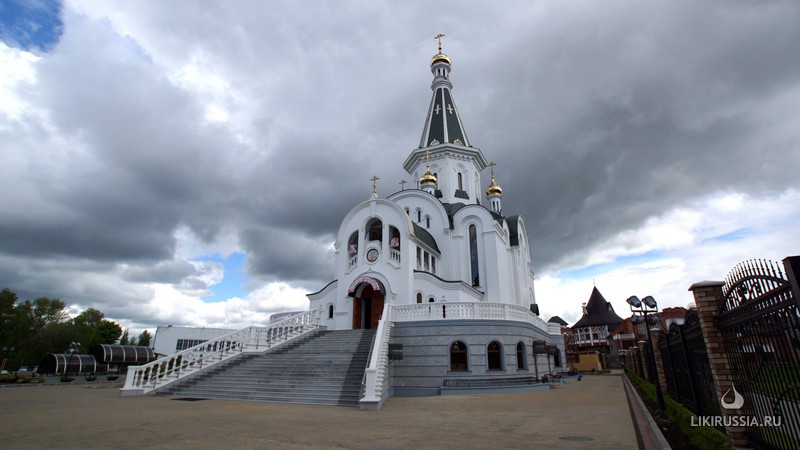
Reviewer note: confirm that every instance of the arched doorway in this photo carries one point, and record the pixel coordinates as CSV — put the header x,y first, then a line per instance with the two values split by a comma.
x,y
367,308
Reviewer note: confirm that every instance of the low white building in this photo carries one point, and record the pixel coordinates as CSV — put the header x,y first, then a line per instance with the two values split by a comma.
x,y
169,339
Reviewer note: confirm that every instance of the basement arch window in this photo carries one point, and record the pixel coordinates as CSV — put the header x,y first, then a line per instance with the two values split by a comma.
x,y
494,356
458,357
375,230
520,355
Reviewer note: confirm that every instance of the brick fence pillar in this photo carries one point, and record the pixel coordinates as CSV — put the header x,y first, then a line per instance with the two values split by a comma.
x,y
708,298
662,379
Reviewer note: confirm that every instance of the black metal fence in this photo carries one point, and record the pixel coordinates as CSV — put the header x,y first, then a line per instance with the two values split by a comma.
x,y
760,325
686,367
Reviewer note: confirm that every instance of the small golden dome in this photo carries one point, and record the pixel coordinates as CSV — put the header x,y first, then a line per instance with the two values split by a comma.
x,y
427,178
494,189
440,57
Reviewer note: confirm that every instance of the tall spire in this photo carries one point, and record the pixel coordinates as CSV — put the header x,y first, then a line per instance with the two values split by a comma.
x,y
443,124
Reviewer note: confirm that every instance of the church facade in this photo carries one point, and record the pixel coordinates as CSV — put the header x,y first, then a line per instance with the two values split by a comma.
x,y
444,264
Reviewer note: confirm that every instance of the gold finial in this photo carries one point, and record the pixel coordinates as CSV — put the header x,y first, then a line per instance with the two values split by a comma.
x,y
403,185
374,188
428,177
493,188
440,57
439,37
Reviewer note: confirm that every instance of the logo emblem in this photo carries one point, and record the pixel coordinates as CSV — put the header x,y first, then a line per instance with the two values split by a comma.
x,y
738,400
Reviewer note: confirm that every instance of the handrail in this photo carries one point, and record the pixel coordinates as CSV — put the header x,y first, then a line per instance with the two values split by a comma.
x,y
164,371
374,375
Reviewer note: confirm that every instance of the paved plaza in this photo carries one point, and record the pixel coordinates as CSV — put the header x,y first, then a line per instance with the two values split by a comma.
x,y
592,413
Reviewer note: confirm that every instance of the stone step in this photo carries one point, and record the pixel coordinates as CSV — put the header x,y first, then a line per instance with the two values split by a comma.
x,y
324,368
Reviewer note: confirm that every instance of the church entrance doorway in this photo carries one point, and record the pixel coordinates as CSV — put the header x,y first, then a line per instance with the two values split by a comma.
x,y
367,309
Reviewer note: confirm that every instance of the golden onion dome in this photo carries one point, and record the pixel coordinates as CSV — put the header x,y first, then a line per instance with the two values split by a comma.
x,y
427,178
494,188
440,57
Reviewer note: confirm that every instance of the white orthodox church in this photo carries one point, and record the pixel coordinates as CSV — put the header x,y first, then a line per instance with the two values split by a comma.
x,y
448,266
440,273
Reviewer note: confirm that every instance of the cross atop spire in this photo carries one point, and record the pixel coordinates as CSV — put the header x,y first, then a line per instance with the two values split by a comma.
x,y
439,37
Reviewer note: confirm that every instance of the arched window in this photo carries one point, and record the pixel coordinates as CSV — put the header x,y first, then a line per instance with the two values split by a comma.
x,y
458,357
494,356
460,182
375,230
431,300
330,311
407,212
473,255
419,215
419,297
352,244
427,221
394,237
520,355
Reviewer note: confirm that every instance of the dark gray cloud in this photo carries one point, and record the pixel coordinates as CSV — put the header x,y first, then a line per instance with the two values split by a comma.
x,y
598,115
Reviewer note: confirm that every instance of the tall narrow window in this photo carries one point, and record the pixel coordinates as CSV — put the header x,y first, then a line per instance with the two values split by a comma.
x,y
419,297
458,357
419,258
330,311
426,260
375,230
433,265
419,216
473,255
494,357
460,182
352,244
394,238
428,222
520,355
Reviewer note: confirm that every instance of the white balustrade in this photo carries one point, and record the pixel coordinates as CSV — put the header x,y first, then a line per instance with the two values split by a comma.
x,y
353,261
375,374
394,254
470,310
164,371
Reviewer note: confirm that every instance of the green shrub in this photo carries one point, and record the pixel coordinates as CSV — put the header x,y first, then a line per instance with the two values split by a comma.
x,y
24,380
111,377
90,378
66,379
8,378
705,438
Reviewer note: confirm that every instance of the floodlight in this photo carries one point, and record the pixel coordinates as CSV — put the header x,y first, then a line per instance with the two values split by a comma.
x,y
634,301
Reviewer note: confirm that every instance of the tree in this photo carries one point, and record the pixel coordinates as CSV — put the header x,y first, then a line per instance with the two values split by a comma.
x,y
8,300
144,338
94,329
124,340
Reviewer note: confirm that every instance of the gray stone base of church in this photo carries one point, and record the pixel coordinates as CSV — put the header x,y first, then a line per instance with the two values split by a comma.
x,y
426,367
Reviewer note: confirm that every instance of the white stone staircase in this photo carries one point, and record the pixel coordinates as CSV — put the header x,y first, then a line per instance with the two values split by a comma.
x,y
324,367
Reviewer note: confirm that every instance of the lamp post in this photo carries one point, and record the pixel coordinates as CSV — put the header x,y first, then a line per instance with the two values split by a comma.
x,y
73,347
646,311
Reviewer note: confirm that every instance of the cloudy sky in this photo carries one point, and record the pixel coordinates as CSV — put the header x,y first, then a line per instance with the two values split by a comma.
x,y
188,163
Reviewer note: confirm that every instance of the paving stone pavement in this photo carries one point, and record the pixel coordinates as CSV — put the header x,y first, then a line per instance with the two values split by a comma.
x,y
592,413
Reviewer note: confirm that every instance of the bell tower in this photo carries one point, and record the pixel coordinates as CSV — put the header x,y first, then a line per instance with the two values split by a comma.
x,y
455,164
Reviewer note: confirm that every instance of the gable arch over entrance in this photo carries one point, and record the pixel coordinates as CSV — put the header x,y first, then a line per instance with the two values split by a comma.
x,y
369,296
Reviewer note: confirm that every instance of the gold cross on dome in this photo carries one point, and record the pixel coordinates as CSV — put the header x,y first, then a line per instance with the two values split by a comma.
x,y
428,159
374,188
491,167
439,37
438,108
403,185
450,109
